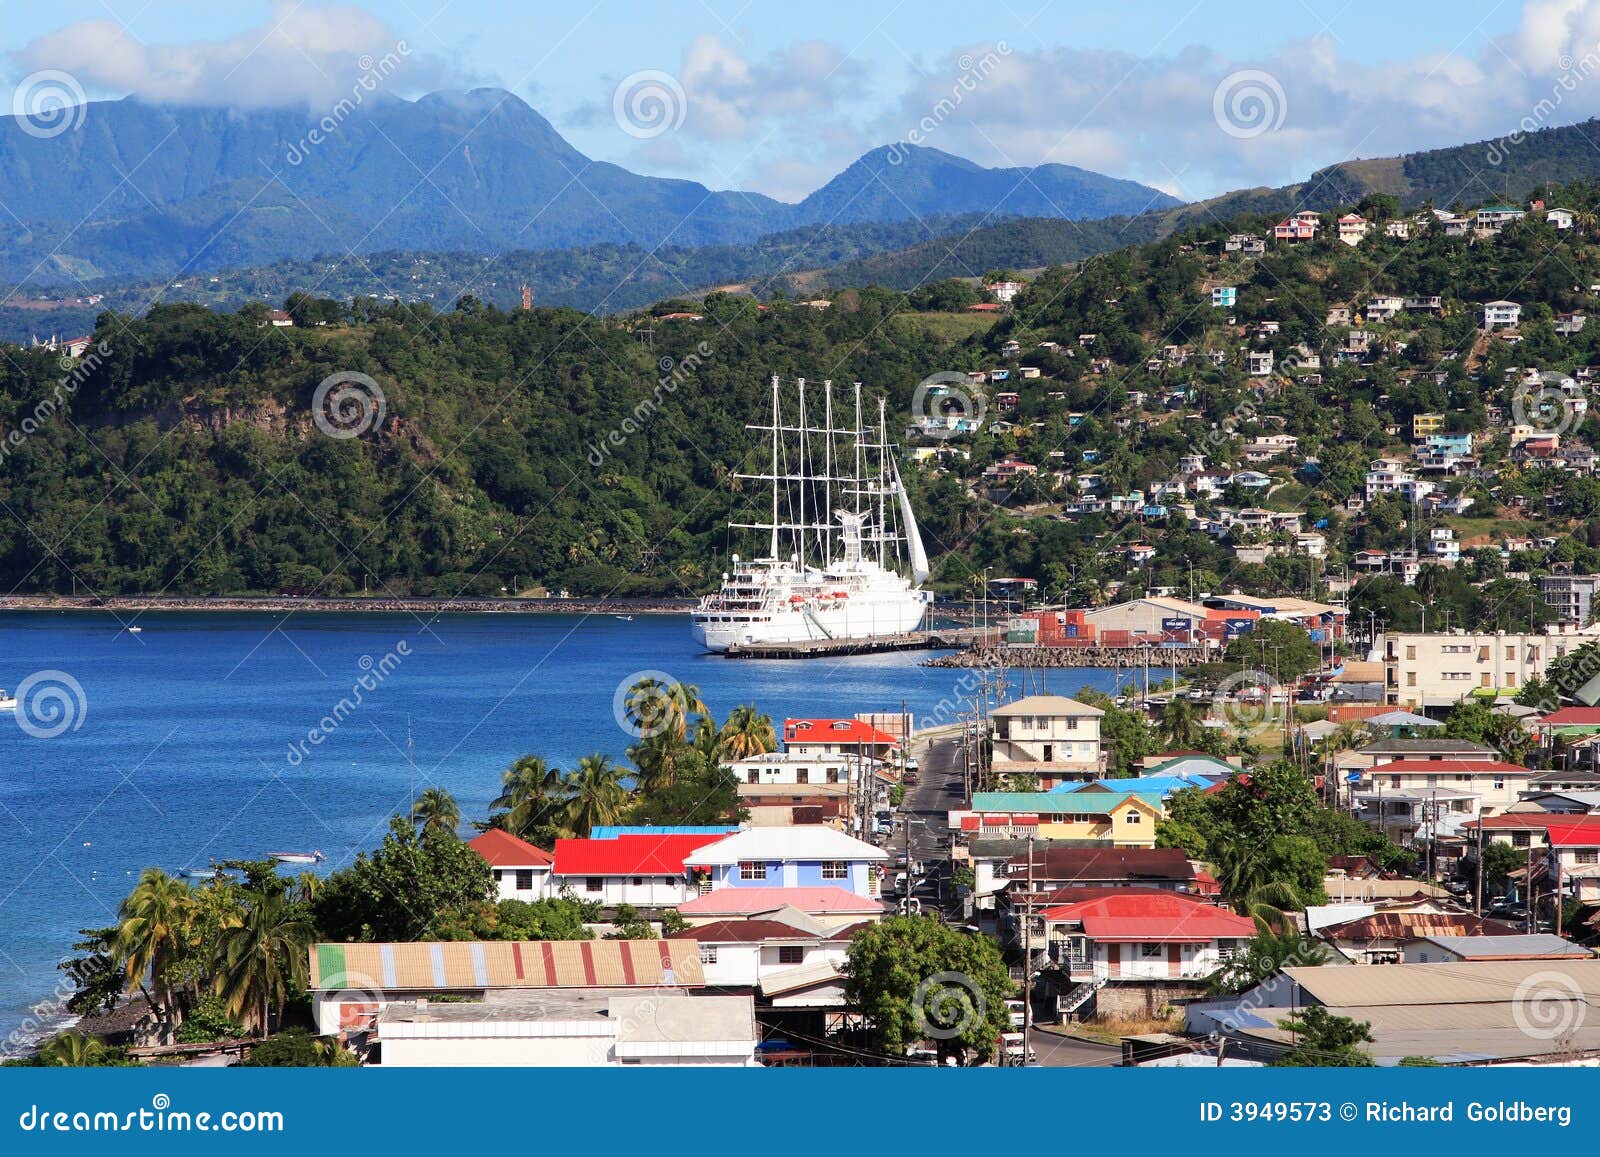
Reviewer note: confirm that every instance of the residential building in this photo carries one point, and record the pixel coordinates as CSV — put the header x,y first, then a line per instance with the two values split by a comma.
x,y
788,961
1051,737
1424,424
1379,934
818,738
1568,324
1441,669
1384,306
1131,951
1436,949
1224,296
1493,784
1560,218
1493,218
646,871
1571,596
1501,314
1004,291
1259,363
1127,821
1352,228
521,871
803,856
1397,228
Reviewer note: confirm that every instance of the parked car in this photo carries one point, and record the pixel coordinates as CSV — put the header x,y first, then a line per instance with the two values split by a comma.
x,y
911,779
1014,1009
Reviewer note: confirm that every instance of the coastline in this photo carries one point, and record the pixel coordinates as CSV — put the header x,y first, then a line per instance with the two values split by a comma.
x,y
344,605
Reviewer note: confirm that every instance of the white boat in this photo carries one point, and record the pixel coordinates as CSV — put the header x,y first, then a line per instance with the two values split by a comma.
x,y
8,701
840,533
296,857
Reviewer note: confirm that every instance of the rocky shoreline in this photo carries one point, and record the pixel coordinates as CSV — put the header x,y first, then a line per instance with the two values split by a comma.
x,y
138,604
1058,657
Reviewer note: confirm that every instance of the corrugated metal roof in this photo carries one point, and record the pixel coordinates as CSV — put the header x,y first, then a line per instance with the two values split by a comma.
x,y
429,965
1341,986
504,850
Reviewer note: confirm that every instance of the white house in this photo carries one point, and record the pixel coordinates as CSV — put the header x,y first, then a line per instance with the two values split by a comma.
x,y
789,958
1049,736
521,871
1501,314
824,737
646,871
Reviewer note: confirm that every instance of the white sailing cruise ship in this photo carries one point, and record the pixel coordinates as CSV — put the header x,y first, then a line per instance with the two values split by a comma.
x,y
840,533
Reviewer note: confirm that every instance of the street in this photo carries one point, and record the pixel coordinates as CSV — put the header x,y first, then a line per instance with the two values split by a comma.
x,y
925,814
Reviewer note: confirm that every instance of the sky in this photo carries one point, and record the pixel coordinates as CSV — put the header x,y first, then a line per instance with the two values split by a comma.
x,y
1193,98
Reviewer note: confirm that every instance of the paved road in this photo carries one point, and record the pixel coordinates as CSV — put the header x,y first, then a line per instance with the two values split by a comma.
x,y
1062,1052
924,816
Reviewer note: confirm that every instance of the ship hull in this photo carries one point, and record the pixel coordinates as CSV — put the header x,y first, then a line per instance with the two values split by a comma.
x,y
857,618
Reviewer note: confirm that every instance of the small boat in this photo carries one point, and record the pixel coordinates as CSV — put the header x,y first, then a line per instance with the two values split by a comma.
x,y
624,618
135,630
8,701
199,873
296,857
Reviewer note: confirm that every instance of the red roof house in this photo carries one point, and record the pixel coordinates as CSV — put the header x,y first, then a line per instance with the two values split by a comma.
x,y
504,850
1141,935
643,870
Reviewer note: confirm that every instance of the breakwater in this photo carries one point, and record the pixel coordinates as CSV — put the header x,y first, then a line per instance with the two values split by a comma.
x,y
1103,657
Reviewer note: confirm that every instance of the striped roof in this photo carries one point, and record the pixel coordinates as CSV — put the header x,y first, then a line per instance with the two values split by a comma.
x,y
507,964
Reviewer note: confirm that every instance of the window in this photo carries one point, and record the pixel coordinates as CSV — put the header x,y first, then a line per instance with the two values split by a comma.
x,y
835,870
1511,654
833,775
1411,652
1072,724
1411,678
638,881
802,775
1499,783
752,870
524,879
791,954
1150,951
1586,856
752,776
1134,817
1520,839
708,954
592,884
1049,753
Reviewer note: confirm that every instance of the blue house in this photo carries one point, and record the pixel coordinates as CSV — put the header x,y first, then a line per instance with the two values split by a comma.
x,y
806,856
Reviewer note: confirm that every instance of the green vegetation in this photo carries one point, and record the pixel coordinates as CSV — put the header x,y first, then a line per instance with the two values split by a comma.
x,y
1325,1040
917,979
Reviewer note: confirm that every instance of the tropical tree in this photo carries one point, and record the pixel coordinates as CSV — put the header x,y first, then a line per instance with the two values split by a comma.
x,y
1178,722
153,931
654,706
597,793
532,800
747,732
73,1049
1326,1040
436,808
263,959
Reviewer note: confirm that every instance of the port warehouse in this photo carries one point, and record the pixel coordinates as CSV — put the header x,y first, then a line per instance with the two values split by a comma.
x,y
1159,621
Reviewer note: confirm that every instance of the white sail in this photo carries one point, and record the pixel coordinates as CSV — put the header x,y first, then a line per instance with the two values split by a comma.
x,y
919,555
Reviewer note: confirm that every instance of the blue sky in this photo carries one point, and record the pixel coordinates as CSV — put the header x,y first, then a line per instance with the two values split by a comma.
x,y
778,97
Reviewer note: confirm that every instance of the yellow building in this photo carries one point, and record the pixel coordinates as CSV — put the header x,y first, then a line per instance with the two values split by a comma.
x,y
1120,820
1424,424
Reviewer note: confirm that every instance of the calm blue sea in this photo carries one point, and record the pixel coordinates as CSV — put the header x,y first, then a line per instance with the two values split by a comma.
x,y
181,749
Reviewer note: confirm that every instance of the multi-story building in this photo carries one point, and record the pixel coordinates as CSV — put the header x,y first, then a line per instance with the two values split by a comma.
x,y
1049,736
1441,669
1571,596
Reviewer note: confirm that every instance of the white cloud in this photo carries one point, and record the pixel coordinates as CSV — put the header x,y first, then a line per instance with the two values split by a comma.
x,y
300,57
1153,120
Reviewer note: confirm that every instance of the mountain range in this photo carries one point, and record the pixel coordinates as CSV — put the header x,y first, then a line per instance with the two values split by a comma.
x,y
141,190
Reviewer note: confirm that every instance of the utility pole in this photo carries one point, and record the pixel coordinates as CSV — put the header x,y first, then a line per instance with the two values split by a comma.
x,y
1027,961
1478,892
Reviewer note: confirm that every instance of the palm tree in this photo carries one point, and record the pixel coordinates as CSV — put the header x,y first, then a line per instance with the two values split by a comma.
x,y
531,792
747,732
436,808
656,758
597,794
263,959
72,1049
306,885
153,924
1178,722
653,707
708,739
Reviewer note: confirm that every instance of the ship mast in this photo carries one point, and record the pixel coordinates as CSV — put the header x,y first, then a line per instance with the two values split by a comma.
x,y
775,424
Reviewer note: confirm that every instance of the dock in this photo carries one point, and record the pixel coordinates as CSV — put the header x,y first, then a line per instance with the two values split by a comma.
x,y
953,638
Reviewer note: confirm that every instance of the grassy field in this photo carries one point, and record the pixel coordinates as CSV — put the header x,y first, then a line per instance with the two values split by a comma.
x,y
949,326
